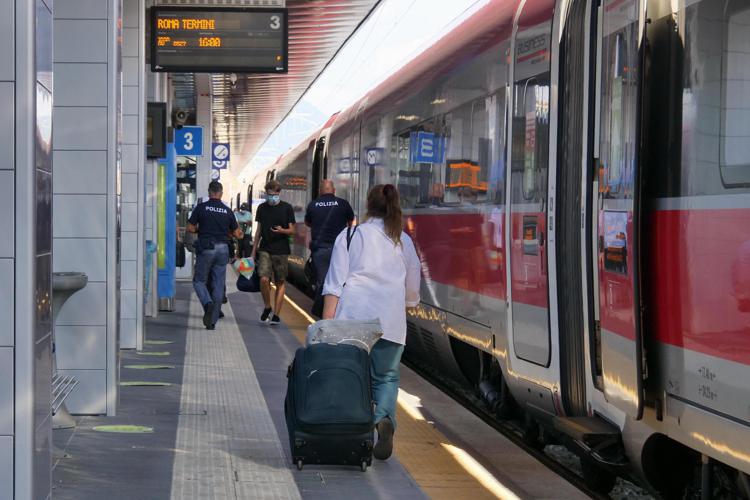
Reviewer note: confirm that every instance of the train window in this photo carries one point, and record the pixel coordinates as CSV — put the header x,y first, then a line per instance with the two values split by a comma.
x,y
455,158
619,106
705,104
734,154
531,136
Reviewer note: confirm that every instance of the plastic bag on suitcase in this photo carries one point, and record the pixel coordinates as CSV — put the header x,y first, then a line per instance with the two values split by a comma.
x,y
360,333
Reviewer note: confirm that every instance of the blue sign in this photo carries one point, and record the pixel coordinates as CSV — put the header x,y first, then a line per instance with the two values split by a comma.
x,y
188,141
426,148
220,155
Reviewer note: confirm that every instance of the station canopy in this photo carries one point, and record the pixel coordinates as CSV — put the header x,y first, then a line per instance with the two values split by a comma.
x,y
246,111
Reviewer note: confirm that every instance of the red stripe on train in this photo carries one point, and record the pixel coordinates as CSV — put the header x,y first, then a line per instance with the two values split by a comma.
x,y
697,283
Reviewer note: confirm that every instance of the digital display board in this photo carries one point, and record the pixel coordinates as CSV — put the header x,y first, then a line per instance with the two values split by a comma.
x,y
219,40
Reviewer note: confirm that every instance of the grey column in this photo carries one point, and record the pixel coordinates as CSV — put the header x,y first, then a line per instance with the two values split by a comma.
x,y
203,119
25,248
87,214
133,163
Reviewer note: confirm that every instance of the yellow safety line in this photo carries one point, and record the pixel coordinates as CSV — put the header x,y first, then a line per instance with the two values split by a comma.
x,y
438,466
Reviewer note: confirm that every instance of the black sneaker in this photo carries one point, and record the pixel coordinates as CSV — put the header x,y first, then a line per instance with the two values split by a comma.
x,y
208,315
221,314
266,314
275,320
384,447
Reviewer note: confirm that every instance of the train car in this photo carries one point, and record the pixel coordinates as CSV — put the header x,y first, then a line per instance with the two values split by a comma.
x,y
576,177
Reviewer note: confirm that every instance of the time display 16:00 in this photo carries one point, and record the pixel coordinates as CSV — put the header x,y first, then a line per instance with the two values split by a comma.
x,y
209,41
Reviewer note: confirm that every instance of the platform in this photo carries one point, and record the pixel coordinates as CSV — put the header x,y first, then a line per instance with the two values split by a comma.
x,y
219,432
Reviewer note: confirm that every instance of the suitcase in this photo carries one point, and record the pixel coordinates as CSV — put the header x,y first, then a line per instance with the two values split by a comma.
x,y
329,407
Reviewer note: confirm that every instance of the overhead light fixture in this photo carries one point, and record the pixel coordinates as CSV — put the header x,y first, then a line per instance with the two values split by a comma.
x,y
438,101
408,118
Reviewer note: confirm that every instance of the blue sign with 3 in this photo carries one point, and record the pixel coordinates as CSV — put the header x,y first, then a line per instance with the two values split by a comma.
x,y
188,141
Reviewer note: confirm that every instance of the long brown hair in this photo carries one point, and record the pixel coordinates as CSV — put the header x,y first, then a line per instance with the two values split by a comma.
x,y
383,202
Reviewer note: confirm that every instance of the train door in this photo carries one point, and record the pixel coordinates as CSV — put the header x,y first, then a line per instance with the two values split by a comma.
x,y
617,231
356,150
318,172
530,107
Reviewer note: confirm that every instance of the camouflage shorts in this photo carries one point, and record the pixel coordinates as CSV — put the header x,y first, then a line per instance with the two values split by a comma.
x,y
273,267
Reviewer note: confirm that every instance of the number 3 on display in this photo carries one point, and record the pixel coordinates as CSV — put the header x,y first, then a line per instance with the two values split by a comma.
x,y
189,140
275,22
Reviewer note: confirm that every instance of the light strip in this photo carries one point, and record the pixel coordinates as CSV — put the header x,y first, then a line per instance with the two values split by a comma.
x,y
299,309
410,404
480,473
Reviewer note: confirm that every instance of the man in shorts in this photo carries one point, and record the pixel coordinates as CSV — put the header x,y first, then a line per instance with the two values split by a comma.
x,y
275,221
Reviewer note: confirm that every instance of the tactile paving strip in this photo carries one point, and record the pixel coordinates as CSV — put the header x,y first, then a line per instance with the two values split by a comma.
x,y
231,451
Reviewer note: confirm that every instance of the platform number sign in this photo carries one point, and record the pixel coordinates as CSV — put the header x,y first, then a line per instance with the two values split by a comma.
x,y
220,155
188,141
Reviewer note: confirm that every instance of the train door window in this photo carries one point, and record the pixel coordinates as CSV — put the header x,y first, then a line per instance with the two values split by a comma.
x,y
619,106
735,106
531,137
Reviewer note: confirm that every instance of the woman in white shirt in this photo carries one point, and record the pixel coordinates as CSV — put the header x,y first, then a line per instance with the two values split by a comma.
x,y
377,277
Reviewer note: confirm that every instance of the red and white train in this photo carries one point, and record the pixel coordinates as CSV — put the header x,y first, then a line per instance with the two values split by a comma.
x,y
576,177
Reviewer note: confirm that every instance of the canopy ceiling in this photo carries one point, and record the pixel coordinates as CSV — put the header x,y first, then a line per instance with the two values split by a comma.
x,y
245,114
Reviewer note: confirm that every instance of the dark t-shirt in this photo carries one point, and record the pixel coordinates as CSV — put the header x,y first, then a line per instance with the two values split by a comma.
x,y
327,216
270,216
214,220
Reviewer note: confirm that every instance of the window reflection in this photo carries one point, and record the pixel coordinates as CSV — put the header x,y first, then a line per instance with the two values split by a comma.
x,y
531,138
455,158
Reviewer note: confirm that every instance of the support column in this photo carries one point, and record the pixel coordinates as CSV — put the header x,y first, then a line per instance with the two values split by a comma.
x,y
87,198
25,249
203,119
133,164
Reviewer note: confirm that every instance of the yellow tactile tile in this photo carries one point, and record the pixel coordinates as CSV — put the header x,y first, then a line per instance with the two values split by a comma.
x,y
439,468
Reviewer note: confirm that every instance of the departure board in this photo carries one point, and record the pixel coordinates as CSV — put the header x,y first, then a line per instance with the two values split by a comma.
x,y
219,40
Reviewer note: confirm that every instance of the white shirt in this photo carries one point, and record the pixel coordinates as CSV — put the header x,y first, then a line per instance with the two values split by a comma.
x,y
382,279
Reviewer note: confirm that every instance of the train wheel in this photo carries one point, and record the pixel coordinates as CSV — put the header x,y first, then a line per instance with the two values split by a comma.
x,y
597,478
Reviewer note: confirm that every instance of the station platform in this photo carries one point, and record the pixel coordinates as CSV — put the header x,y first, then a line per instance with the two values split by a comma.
x,y
217,430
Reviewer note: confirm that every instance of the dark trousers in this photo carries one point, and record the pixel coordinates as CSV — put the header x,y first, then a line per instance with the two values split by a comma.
x,y
321,258
211,262
246,246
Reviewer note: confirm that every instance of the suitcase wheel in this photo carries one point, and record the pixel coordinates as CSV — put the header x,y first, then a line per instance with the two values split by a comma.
x,y
300,464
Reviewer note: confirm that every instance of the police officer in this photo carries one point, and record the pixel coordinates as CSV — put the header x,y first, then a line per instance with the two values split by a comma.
x,y
215,224
326,216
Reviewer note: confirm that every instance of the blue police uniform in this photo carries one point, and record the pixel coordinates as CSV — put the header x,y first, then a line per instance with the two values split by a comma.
x,y
327,217
215,222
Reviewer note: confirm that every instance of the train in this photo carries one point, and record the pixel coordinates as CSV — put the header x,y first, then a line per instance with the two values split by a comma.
x,y
575,175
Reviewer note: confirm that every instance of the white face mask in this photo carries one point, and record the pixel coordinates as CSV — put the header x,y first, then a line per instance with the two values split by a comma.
x,y
273,199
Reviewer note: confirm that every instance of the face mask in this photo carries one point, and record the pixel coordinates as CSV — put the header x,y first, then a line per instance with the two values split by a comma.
x,y
274,199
